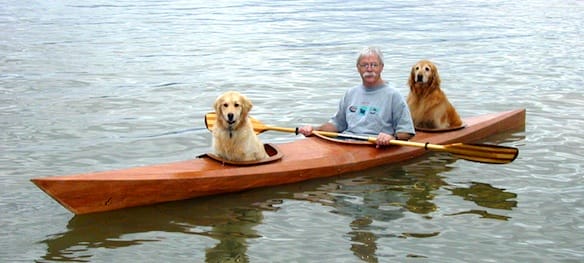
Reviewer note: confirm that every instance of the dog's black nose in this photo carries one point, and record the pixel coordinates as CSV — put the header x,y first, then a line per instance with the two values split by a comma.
x,y
419,78
230,116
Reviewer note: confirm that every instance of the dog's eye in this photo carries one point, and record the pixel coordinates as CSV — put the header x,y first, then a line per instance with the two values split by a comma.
x,y
417,68
427,69
236,105
225,105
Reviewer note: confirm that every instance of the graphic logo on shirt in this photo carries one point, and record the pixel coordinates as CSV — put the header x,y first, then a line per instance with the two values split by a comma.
x,y
363,110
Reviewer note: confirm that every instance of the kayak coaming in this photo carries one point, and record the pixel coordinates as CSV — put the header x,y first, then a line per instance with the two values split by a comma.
x,y
303,159
272,150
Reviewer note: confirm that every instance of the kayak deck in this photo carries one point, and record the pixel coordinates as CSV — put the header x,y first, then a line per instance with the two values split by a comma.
x,y
301,160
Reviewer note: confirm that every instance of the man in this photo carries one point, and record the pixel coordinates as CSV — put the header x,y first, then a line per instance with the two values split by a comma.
x,y
373,108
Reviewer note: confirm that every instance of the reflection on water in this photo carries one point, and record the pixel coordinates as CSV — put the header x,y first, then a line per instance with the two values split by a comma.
x,y
381,194
116,84
487,196
228,220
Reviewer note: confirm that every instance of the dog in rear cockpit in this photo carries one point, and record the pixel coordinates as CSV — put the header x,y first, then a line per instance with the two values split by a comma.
x,y
428,104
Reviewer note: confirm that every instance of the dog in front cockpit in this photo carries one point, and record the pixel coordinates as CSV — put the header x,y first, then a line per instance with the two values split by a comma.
x,y
234,138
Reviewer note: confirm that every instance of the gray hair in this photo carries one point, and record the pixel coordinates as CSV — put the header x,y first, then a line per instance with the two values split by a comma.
x,y
368,51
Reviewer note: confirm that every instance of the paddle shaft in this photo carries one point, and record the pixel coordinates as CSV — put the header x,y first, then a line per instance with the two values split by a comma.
x,y
323,133
473,152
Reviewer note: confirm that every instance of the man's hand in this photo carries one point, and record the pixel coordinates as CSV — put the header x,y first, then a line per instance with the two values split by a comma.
x,y
305,130
383,139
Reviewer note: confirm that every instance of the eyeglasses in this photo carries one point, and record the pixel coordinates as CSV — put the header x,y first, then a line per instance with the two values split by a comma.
x,y
372,65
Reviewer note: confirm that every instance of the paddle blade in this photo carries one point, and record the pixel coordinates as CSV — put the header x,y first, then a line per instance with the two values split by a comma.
x,y
211,120
483,153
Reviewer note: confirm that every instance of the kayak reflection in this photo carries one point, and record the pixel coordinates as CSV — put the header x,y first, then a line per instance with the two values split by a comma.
x,y
382,194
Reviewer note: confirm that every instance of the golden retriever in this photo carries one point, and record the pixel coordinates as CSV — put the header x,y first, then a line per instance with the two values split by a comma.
x,y
233,136
428,104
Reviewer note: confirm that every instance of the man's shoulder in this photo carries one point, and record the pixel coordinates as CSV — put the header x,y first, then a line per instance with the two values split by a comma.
x,y
354,90
356,87
392,90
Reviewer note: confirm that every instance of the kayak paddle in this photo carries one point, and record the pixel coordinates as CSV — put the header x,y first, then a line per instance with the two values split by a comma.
x,y
483,153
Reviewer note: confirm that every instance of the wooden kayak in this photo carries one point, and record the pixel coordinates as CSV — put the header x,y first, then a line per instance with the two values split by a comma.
x,y
300,160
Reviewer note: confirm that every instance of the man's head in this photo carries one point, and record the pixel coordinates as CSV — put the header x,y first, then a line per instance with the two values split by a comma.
x,y
370,66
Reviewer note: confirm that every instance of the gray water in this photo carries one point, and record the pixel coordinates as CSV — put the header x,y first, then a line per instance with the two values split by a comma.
x,y
91,86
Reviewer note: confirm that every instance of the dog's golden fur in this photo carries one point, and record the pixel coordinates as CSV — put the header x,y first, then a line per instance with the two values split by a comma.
x,y
233,136
428,104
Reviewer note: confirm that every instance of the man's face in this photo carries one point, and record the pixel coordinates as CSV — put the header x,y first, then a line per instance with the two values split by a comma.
x,y
370,68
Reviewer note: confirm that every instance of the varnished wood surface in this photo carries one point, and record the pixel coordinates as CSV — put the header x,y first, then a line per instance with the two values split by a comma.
x,y
302,160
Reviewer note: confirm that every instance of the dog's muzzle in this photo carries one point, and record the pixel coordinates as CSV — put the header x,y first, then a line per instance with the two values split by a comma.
x,y
230,119
420,78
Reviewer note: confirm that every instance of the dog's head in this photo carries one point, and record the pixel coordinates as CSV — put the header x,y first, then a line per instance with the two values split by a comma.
x,y
232,109
424,74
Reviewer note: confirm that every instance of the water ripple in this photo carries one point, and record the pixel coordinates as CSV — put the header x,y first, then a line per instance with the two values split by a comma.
x,y
107,85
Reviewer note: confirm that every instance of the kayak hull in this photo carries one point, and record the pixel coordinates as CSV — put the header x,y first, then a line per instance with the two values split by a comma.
x,y
301,160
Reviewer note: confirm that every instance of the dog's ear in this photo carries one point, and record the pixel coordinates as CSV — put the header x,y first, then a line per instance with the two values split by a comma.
x,y
217,104
246,105
435,83
411,79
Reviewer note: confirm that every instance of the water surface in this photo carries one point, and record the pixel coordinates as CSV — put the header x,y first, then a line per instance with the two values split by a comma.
x,y
116,84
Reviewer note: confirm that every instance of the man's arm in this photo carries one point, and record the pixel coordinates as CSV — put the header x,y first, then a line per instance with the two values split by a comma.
x,y
328,127
307,130
404,136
